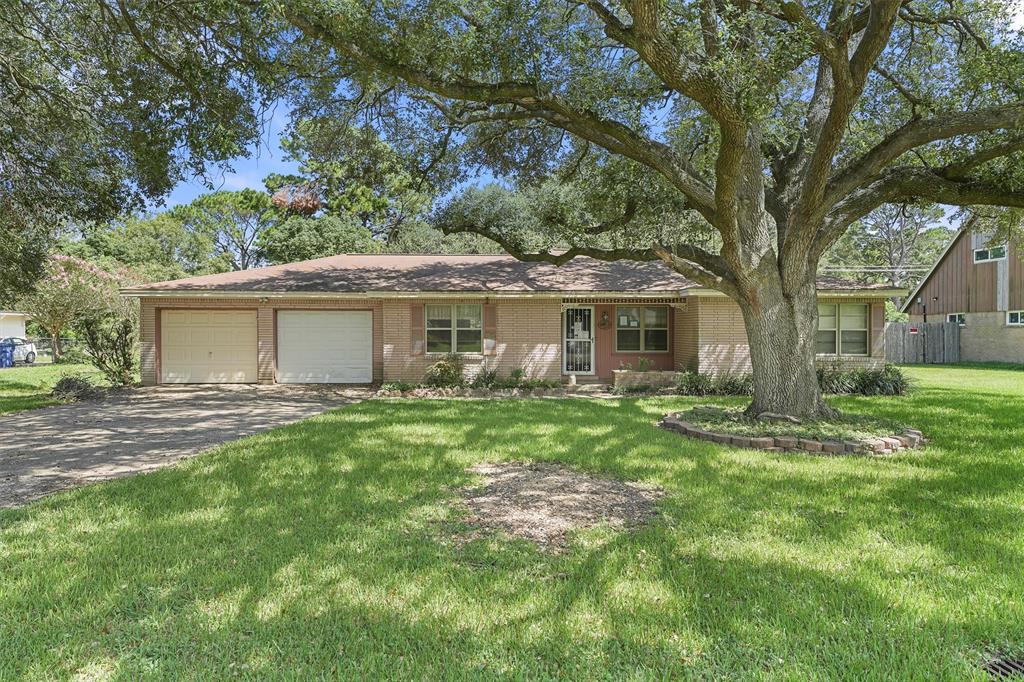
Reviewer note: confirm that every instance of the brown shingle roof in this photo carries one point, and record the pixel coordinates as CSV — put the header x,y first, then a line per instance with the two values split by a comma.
x,y
358,273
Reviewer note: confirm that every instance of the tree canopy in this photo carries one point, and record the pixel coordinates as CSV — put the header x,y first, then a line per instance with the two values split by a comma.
x,y
755,133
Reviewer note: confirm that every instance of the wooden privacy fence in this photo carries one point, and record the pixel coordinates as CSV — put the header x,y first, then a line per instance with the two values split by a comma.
x,y
922,343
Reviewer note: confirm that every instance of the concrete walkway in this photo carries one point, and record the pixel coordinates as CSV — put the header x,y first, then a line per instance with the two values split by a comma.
x,y
54,448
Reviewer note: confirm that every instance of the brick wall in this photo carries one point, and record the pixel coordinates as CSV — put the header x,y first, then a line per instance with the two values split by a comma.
x,y
722,345
528,335
686,331
987,338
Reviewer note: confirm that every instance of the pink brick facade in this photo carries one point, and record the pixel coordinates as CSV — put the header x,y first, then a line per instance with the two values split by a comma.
x,y
719,339
528,335
707,334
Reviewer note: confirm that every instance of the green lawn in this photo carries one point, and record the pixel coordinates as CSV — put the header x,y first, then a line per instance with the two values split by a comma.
x,y
324,550
28,387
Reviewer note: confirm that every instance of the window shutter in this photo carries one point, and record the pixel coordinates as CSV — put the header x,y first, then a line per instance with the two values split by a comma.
x,y
416,331
490,329
877,330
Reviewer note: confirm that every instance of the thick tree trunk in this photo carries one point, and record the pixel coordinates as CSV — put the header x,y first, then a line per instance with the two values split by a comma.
x,y
56,351
781,329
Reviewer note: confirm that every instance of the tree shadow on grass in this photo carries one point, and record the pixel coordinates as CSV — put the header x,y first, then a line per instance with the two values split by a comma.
x,y
318,549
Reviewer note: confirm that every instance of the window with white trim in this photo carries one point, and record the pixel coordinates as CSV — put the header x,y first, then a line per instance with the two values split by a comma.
x,y
1015,318
642,329
990,254
455,328
959,318
842,329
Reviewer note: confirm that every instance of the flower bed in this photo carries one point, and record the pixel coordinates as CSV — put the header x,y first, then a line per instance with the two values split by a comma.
x,y
391,391
850,435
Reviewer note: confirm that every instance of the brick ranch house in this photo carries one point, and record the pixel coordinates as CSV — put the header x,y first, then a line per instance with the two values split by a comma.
x,y
373,318
980,286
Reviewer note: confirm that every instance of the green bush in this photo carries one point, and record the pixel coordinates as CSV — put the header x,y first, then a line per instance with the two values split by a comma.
x,y
889,380
73,355
486,378
399,386
446,372
695,383
644,364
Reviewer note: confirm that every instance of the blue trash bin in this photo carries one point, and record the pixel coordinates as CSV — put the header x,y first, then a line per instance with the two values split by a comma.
x,y
6,355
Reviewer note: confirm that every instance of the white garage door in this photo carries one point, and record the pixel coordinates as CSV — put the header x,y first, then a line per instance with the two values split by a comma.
x,y
208,347
324,347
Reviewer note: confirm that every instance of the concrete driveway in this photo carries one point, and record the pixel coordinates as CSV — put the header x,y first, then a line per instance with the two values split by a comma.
x,y
50,449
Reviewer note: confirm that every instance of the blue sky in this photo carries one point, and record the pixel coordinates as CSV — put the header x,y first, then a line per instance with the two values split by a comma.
x,y
267,157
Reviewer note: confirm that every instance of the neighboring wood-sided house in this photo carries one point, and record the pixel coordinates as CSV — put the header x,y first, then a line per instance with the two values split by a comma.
x,y
980,286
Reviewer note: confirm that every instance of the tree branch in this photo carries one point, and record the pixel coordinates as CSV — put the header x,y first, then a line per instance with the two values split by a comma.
x,y
536,99
917,133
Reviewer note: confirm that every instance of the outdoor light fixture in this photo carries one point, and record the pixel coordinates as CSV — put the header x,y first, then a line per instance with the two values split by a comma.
x,y
604,320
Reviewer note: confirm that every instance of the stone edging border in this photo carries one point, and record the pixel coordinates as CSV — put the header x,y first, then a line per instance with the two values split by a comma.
x,y
909,439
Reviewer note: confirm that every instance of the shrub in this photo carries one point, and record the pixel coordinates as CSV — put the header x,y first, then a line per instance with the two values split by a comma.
x,y
74,387
446,372
694,383
734,384
644,364
486,378
112,342
889,380
73,355
517,374
397,386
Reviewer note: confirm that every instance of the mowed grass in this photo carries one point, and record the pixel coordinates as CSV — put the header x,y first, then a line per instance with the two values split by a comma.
x,y
325,549
28,387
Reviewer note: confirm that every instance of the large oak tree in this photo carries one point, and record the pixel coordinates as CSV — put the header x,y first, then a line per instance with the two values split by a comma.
x,y
734,140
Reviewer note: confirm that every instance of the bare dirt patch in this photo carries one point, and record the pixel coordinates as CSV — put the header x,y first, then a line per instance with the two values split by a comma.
x,y
544,503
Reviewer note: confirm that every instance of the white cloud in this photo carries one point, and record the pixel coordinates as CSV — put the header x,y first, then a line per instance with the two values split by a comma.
x,y
1018,15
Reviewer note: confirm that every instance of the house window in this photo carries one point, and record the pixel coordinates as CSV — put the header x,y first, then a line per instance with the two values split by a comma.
x,y
457,328
642,329
1015,318
959,318
989,254
842,329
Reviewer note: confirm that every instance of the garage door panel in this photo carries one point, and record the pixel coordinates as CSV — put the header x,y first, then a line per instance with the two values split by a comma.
x,y
325,346
208,346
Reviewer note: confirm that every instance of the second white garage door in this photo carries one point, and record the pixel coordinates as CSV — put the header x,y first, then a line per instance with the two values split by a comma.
x,y
324,347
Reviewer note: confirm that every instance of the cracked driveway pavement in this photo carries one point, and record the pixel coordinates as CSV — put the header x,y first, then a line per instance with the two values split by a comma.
x,y
50,449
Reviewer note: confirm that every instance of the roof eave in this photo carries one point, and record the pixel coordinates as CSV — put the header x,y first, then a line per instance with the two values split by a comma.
x,y
221,293
838,293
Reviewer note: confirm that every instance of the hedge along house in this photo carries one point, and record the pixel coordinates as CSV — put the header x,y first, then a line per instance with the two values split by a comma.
x,y
980,286
372,318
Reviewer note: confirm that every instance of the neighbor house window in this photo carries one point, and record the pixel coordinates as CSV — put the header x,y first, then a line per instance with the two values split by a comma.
x,y
842,329
989,254
643,329
959,318
1015,318
457,328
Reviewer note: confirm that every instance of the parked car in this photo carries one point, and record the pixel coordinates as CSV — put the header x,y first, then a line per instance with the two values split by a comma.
x,y
24,351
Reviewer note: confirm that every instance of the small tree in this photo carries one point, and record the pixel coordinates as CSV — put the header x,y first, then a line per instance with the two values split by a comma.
x,y
112,338
70,291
